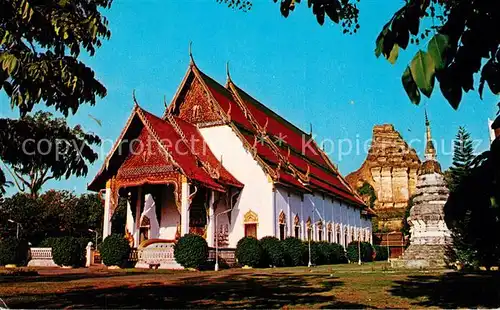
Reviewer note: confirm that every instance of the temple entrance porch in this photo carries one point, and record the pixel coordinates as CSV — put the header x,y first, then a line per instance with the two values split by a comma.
x,y
159,214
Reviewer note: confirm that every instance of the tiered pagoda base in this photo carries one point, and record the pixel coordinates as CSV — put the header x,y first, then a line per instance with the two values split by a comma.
x,y
421,256
429,234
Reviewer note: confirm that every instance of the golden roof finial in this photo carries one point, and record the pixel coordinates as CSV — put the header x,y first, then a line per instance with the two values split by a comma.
x,y
228,74
191,59
136,104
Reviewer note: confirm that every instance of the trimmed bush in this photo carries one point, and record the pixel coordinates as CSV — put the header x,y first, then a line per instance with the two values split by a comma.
x,y
380,253
326,253
316,256
67,251
249,252
337,253
114,250
13,251
293,249
366,252
48,242
273,253
191,251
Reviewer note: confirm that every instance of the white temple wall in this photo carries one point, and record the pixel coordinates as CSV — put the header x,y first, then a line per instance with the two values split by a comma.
x,y
295,210
257,195
170,216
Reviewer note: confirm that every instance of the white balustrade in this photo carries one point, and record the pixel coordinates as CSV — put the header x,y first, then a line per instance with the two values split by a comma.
x,y
41,257
160,255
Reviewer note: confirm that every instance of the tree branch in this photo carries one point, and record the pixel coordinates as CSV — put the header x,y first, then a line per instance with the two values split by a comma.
x,y
15,178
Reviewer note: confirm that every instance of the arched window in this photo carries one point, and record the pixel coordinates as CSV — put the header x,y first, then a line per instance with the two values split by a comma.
x,y
319,224
296,227
309,229
282,225
329,231
337,230
251,220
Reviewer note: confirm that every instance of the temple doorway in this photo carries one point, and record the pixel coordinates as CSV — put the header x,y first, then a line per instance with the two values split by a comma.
x,y
198,213
144,229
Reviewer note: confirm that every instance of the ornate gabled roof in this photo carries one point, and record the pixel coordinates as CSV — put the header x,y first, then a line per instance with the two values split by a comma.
x,y
164,144
286,153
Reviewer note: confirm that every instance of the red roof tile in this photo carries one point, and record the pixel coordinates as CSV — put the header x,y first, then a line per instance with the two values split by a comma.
x,y
306,156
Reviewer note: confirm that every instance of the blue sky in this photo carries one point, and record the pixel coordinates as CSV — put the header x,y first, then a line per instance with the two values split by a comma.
x,y
305,72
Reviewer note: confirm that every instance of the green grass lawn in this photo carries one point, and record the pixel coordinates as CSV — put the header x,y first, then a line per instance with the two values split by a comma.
x,y
338,286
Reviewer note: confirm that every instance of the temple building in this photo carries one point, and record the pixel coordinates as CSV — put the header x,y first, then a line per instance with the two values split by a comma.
x,y
220,164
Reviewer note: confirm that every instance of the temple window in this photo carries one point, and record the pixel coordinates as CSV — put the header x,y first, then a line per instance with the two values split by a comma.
x,y
282,225
319,224
329,232
296,223
250,220
251,230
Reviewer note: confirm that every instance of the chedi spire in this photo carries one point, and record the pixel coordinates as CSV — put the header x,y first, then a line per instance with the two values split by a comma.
x,y
430,151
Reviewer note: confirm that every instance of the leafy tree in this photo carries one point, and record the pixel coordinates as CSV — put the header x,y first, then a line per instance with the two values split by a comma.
x,y
464,41
52,214
367,192
463,156
462,249
30,213
40,148
472,211
40,42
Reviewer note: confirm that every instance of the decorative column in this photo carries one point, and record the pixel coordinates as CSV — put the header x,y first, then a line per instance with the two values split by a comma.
x,y
130,223
137,220
184,206
106,230
211,229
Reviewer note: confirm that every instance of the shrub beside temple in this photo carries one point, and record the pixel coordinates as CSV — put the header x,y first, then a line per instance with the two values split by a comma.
x,y
191,251
67,251
366,252
114,250
273,253
249,252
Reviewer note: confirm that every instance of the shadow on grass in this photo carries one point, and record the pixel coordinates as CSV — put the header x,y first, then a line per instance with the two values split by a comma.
x,y
58,277
243,290
452,290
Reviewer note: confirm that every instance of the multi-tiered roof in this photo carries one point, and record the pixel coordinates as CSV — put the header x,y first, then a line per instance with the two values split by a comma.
x,y
287,154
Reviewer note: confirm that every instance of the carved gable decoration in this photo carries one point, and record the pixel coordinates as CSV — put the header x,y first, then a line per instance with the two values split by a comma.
x,y
250,217
196,107
145,158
